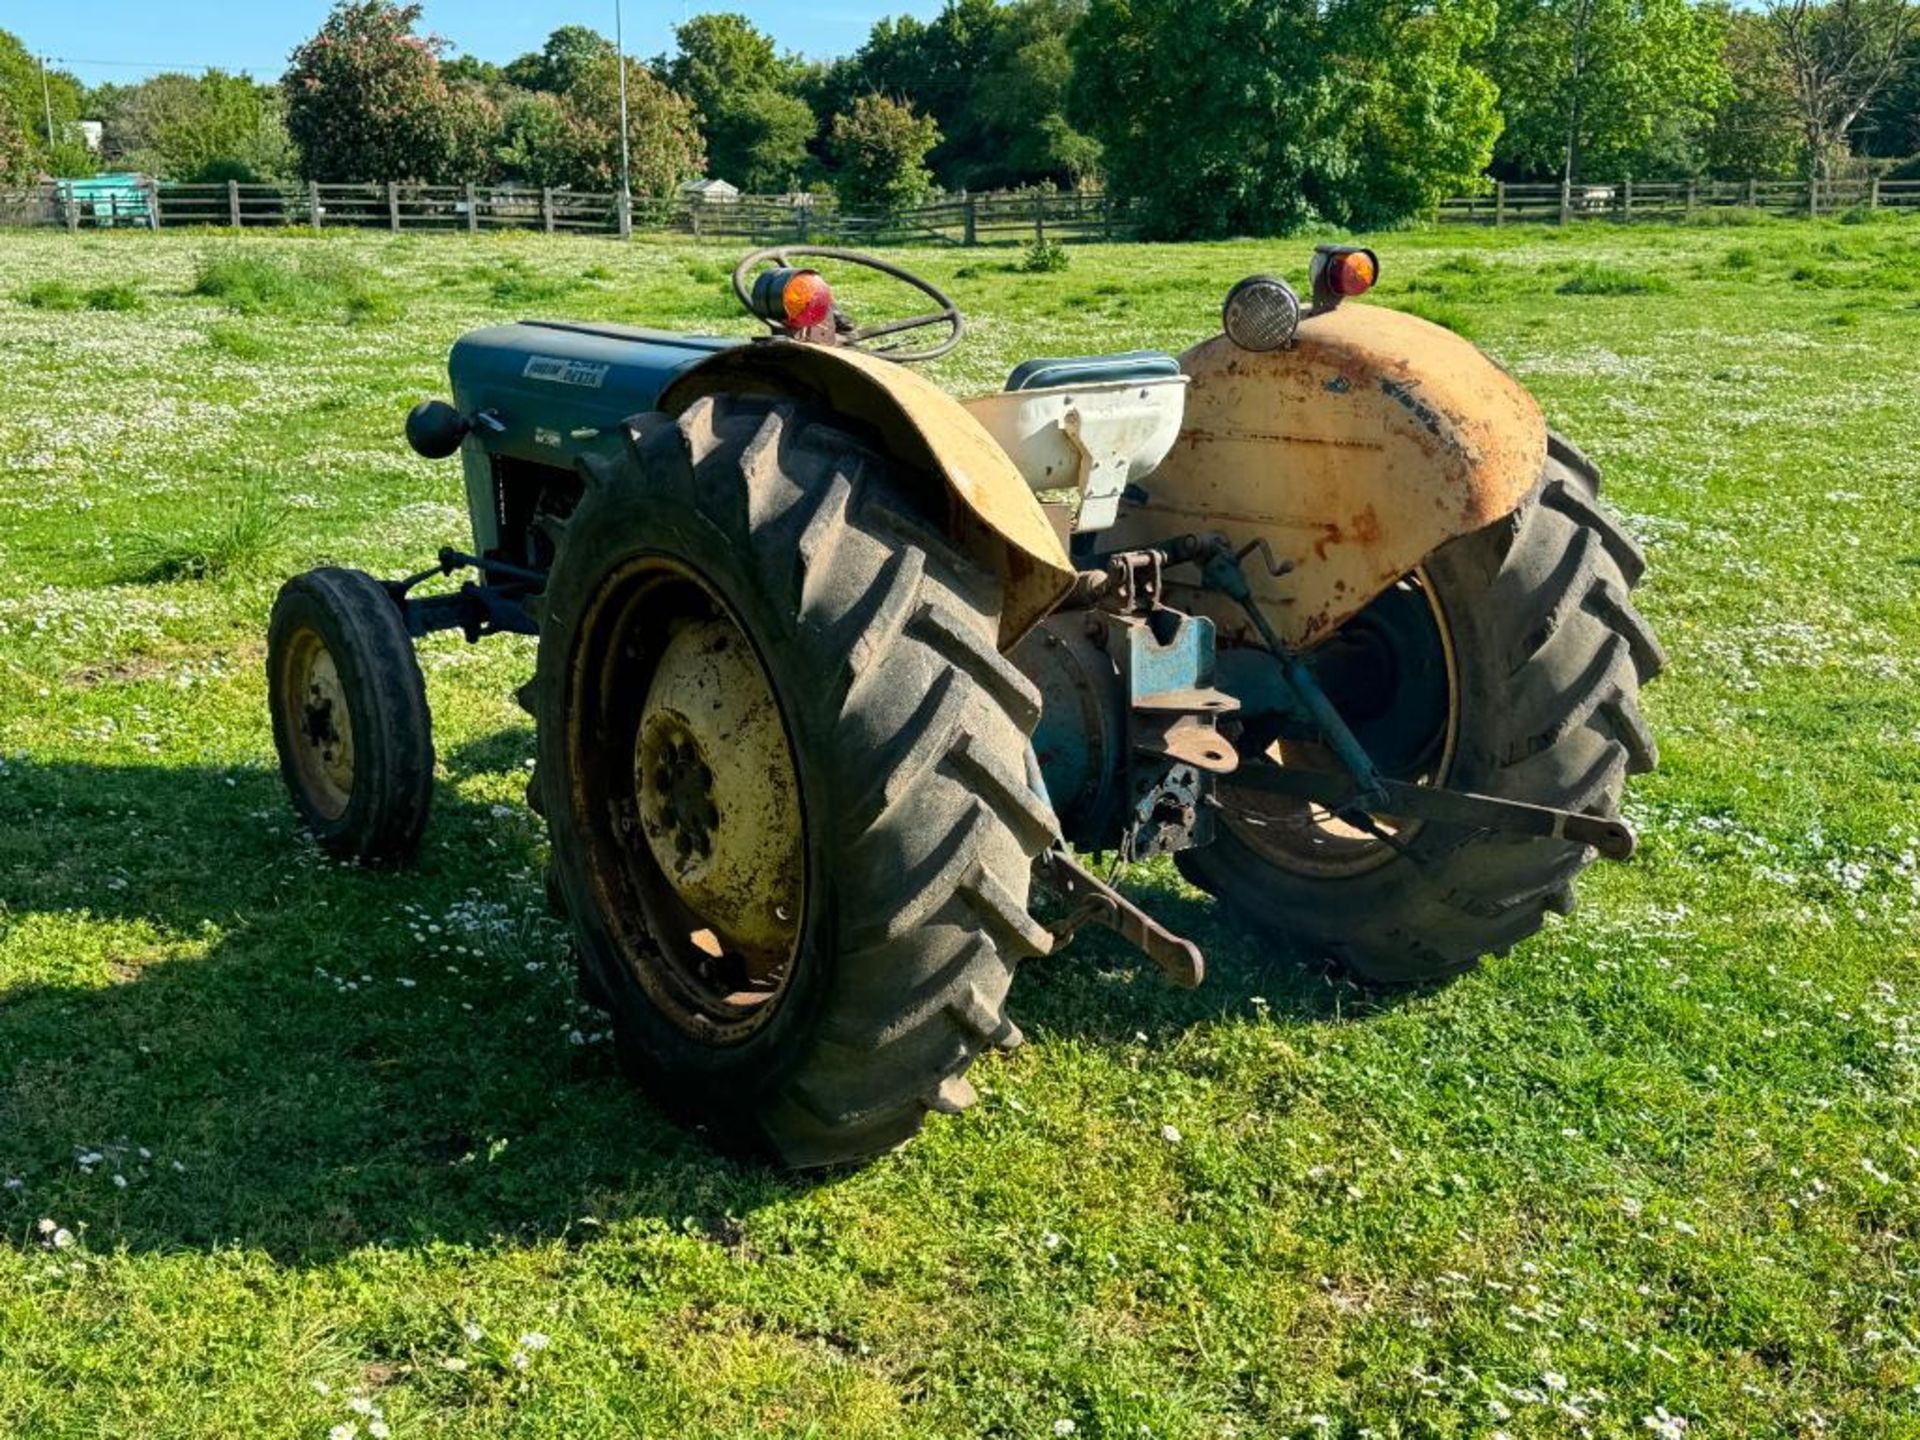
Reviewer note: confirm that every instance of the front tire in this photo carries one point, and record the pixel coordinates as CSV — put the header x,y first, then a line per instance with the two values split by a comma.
x,y
1540,661
350,717
807,963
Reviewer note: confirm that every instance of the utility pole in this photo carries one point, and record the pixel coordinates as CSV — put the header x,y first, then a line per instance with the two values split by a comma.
x,y
46,99
620,52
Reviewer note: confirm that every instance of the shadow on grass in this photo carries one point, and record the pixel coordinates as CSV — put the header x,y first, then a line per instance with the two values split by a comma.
x,y
308,1119
275,1082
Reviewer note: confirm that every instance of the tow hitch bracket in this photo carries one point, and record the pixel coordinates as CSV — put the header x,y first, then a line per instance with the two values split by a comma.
x,y
1096,903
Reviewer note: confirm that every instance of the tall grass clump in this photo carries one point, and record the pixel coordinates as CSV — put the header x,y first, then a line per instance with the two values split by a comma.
x,y
52,295
1594,279
265,285
236,537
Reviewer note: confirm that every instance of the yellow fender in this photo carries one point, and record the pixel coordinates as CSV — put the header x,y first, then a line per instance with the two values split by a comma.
x,y
1354,456
989,512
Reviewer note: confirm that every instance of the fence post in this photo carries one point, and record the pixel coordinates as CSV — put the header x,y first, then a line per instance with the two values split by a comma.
x,y
970,227
71,202
1813,195
1753,193
1566,201
546,208
473,210
1039,220
233,203
1693,184
313,204
1499,203
153,204
1626,198
393,206
1873,193
623,206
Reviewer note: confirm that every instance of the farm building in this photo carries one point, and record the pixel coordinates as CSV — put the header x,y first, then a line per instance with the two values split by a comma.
x,y
710,192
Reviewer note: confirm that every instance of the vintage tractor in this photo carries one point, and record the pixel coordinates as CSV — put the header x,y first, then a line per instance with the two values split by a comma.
x,y
833,668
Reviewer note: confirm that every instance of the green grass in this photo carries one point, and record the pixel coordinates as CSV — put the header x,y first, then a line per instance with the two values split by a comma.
x,y
1662,1159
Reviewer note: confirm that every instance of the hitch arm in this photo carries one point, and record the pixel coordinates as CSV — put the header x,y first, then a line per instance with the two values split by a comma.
x,y
1612,837
1094,903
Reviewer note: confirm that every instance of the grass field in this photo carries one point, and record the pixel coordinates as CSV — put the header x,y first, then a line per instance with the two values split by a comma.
x,y
292,1150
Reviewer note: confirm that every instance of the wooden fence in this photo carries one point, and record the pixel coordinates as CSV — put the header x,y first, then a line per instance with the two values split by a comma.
x,y
1557,204
963,220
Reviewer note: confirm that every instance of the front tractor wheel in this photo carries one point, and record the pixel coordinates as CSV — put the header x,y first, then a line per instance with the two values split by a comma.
x,y
350,718
1509,665
781,763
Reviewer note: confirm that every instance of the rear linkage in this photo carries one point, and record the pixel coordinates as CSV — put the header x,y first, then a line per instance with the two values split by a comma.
x,y
1176,750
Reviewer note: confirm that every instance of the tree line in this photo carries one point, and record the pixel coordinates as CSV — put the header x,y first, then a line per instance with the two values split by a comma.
x,y
1214,117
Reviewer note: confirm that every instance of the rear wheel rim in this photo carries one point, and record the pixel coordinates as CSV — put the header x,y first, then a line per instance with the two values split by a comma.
x,y
1398,689
682,773
318,723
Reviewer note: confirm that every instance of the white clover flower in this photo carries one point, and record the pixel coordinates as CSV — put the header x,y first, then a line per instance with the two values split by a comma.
x,y
534,1340
1050,1240
378,1429
1665,1426
346,1430
521,1359
1064,1426
361,1405
472,1331
1554,1381
453,1363
1170,1134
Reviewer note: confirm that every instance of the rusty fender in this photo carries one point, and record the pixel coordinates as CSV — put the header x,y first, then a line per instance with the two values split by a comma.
x,y
1355,455
990,511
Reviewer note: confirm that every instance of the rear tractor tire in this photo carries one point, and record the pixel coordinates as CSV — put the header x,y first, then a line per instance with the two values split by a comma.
x,y
781,764
1521,645
350,718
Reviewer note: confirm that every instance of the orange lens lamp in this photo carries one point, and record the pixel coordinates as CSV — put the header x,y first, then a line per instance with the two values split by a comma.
x,y
1341,272
793,300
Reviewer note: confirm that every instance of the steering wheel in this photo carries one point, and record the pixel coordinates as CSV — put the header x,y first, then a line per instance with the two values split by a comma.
x,y
857,336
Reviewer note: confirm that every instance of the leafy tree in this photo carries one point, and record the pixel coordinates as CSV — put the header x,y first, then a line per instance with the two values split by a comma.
x,y
366,99
212,126
757,128
1754,133
575,139
881,146
16,153
538,140
472,70
993,76
1891,124
27,103
1602,87
1359,111
760,142
570,54
1840,56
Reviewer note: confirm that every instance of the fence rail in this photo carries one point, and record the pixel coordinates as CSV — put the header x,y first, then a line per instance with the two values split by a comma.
x,y
1004,219
1557,204
964,220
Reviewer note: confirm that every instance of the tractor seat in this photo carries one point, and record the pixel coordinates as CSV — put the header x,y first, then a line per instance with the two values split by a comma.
x,y
1094,370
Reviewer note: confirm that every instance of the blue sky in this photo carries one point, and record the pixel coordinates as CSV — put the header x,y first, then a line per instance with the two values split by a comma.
x,y
144,36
